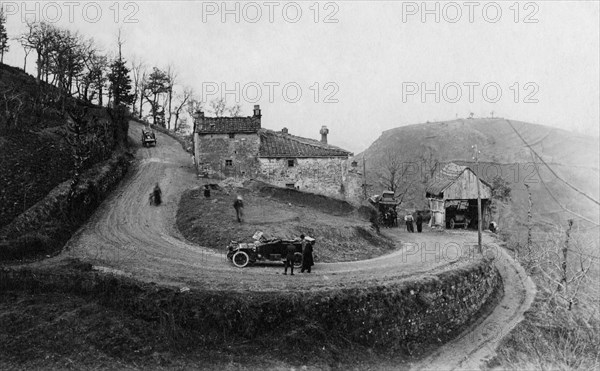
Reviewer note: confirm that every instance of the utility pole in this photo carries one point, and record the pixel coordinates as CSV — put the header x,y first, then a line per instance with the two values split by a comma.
x,y
476,158
364,177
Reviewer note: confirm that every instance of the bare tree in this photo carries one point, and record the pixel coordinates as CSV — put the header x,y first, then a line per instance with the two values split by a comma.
x,y
194,106
154,87
172,78
138,68
39,37
392,174
12,103
4,47
235,110
184,98
23,39
218,106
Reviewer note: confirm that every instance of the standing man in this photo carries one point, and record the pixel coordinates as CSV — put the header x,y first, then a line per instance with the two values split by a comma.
x,y
206,191
307,256
419,222
289,259
156,195
409,223
238,205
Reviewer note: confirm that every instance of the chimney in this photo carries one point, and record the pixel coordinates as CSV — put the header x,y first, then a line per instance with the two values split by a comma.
x,y
257,111
324,131
199,119
284,130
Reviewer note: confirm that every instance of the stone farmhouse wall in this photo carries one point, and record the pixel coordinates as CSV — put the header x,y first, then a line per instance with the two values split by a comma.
x,y
326,176
213,150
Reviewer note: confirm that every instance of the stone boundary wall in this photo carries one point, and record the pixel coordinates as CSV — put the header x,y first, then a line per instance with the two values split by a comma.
x,y
45,227
392,316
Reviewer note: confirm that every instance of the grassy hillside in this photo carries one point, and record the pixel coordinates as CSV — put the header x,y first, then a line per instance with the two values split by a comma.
x,y
34,154
573,156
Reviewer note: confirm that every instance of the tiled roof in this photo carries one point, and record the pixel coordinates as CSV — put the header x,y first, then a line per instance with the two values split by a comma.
x,y
444,178
448,175
277,144
224,125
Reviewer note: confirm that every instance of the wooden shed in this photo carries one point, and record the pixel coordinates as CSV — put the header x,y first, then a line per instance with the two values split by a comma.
x,y
452,195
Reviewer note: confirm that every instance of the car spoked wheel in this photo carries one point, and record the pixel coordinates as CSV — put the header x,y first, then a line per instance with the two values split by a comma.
x,y
297,259
240,259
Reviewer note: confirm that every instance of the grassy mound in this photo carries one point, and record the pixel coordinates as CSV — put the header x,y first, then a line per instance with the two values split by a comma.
x,y
341,234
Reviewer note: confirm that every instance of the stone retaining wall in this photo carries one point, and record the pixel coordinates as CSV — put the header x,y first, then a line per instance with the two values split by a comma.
x,y
389,316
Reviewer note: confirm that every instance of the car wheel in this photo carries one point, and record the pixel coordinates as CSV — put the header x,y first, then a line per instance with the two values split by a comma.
x,y
240,259
297,259
452,223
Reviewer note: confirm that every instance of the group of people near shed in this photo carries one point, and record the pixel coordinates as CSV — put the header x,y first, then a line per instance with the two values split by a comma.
x,y
409,220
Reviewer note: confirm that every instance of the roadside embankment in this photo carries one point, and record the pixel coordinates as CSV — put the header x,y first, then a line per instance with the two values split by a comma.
x,y
46,226
398,316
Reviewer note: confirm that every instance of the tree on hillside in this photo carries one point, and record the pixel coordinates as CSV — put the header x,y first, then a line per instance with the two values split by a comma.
x,y
138,69
39,37
172,76
428,163
120,81
184,98
393,174
96,77
4,47
23,39
67,52
155,86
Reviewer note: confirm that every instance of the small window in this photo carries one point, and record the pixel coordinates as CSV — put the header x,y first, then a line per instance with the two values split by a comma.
x,y
228,162
290,185
290,163
231,135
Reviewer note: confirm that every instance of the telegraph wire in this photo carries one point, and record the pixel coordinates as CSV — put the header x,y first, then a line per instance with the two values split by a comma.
x,y
549,168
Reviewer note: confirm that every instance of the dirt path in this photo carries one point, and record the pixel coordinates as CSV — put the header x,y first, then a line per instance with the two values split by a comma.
x,y
128,236
477,344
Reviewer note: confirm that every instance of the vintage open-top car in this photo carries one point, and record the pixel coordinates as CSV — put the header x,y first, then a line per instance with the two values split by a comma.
x,y
148,137
457,215
263,250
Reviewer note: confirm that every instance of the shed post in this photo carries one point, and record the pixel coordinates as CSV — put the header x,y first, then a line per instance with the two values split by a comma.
x,y
476,157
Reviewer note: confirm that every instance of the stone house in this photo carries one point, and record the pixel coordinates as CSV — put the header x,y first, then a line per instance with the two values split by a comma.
x,y
239,147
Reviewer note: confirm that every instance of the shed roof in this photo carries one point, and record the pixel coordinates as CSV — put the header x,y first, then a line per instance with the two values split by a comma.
x,y
275,144
448,175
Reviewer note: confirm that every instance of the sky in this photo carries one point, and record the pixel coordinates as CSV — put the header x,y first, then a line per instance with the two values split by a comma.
x,y
358,67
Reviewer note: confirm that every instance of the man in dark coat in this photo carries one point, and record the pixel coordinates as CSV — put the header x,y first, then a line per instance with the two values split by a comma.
x,y
289,258
206,191
419,223
156,198
238,205
307,256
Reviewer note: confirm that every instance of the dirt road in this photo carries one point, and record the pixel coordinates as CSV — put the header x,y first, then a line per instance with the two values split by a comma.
x,y
128,236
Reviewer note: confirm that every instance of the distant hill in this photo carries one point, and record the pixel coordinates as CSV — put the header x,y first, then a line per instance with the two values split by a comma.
x,y
574,157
